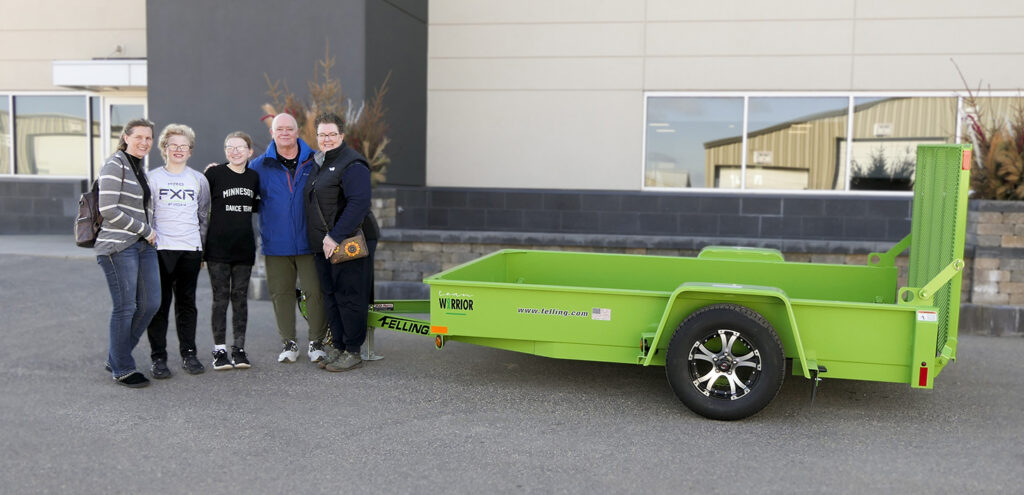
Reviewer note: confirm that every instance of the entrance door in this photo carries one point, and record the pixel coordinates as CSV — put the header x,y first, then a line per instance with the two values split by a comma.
x,y
117,111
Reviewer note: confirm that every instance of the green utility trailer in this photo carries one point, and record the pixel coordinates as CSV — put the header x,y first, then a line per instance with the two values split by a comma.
x,y
724,323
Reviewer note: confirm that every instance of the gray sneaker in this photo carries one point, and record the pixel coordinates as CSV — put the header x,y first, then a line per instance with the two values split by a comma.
x,y
347,361
332,356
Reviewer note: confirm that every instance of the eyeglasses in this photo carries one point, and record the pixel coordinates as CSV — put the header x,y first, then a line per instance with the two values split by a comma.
x,y
332,135
179,147
232,149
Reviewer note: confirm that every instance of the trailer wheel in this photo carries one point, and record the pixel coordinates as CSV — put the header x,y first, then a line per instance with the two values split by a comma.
x,y
725,361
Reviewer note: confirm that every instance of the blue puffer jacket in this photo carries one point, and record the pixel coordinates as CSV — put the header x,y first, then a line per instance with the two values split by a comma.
x,y
282,209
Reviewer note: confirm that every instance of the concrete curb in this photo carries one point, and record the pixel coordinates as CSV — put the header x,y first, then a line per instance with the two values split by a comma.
x,y
997,321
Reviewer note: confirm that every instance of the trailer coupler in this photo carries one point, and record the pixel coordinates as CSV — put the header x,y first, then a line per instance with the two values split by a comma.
x,y
815,380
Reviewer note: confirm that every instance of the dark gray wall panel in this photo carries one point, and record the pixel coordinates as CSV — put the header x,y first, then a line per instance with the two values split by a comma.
x,y
207,61
396,40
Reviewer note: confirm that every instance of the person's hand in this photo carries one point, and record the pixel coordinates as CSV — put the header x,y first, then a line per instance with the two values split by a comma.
x,y
152,238
329,246
208,167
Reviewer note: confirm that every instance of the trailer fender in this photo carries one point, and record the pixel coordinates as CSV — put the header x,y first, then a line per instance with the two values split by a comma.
x,y
732,293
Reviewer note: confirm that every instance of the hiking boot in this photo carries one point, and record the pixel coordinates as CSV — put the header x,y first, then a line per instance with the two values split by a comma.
x,y
133,380
316,352
221,361
239,359
192,365
332,356
289,353
347,361
160,369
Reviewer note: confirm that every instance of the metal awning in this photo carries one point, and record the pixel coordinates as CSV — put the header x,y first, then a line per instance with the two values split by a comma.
x,y
100,74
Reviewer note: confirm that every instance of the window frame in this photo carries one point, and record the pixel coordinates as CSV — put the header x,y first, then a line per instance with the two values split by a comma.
x,y
851,96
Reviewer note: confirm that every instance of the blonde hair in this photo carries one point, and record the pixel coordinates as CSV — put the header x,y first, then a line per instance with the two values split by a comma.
x,y
175,130
240,135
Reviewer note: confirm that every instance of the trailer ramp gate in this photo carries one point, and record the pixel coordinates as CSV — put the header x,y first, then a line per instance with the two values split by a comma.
x,y
939,222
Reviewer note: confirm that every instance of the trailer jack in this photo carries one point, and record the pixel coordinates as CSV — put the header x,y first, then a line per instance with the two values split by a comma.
x,y
816,379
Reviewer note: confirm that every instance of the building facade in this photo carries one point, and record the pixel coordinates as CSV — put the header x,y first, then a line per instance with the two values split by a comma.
x,y
651,126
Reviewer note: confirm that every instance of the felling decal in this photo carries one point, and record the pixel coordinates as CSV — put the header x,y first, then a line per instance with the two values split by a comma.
x,y
403,325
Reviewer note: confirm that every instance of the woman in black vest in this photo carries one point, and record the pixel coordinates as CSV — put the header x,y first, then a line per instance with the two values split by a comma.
x,y
337,204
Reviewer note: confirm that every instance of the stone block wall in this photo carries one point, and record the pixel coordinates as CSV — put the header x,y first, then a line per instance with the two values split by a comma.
x,y
413,247
996,231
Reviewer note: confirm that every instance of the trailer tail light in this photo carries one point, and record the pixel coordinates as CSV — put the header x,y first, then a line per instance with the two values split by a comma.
x,y
922,377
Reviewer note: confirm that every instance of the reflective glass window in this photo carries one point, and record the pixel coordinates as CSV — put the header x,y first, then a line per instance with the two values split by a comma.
x,y
5,135
50,135
97,143
679,133
793,143
886,132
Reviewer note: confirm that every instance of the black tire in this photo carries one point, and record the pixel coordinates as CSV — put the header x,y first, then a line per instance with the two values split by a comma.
x,y
725,361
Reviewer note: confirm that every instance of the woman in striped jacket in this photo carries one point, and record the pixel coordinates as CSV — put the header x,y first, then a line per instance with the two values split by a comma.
x,y
125,249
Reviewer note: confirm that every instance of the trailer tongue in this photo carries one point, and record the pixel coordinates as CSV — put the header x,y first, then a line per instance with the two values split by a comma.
x,y
722,323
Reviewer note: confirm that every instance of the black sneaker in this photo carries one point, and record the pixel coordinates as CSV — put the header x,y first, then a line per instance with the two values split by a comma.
x,y
160,369
106,366
133,380
191,365
239,358
221,361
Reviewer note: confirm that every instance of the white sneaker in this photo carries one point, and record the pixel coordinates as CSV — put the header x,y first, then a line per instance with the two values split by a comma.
x,y
290,353
316,352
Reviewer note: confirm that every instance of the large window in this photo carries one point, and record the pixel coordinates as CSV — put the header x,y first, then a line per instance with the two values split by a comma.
x,y
678,132
5,135
886,132
787,142
50,135
66,135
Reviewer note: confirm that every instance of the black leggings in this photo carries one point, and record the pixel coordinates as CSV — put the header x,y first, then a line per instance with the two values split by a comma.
x,y
179,272
229,281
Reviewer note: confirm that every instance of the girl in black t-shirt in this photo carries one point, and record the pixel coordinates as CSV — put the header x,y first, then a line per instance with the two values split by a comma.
x,y
231,246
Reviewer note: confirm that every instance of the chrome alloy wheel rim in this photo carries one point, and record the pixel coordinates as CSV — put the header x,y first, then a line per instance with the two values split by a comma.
x,y
724,365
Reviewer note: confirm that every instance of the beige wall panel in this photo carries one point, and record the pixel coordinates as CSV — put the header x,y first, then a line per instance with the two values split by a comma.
x,y
936,72
888,9
939,36
747,73
536,73
55,15
676,10
70,44
522,11
750,38
26,75
537,40
535,139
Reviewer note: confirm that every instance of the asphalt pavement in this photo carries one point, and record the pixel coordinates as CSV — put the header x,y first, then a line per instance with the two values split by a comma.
x,y
463,419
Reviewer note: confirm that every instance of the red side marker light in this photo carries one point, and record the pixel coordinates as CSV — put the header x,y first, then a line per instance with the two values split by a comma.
x,y
922,379
966,163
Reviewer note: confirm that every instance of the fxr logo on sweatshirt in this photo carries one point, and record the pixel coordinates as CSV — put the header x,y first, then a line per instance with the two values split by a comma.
x,y
167,193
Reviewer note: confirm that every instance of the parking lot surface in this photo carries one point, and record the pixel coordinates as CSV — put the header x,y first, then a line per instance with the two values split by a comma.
x,y
463,419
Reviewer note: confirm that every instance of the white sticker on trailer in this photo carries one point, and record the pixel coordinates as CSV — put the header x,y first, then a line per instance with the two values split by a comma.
x,y
927,316
603,314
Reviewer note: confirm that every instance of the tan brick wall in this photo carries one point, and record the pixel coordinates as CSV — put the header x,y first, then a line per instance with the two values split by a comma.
x,y
996,279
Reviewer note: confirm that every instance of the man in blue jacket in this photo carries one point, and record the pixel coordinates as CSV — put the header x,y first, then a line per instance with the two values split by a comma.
x,y
283,170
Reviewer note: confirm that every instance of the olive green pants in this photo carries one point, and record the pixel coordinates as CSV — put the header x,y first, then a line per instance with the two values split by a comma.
x,y
281,276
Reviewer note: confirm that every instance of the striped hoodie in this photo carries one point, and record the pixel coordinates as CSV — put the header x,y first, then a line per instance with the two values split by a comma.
x,y
125,217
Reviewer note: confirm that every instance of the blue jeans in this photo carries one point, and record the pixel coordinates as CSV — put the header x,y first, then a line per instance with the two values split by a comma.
x,y
133,277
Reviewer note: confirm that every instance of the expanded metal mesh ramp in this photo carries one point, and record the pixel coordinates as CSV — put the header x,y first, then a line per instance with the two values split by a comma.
x,y
938,227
